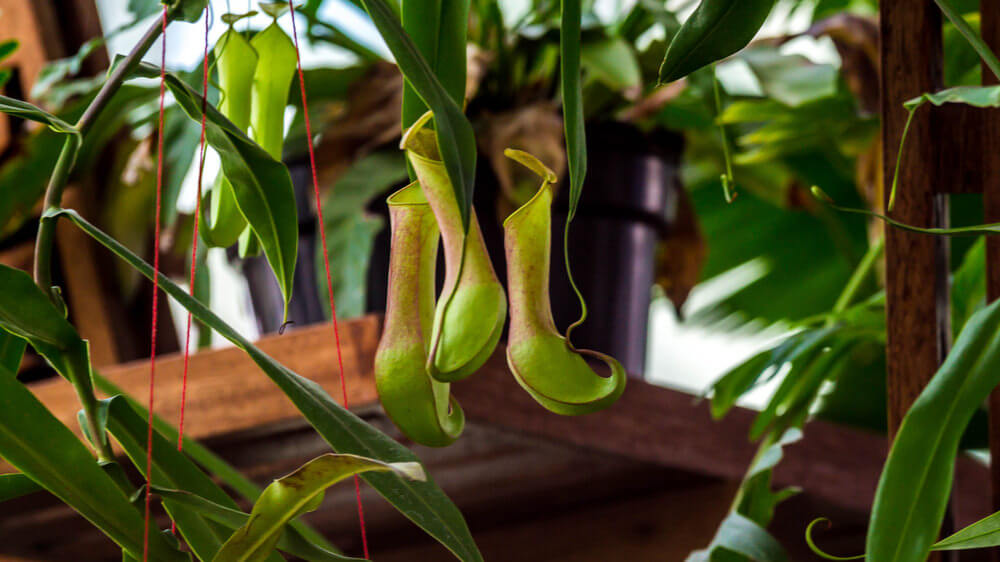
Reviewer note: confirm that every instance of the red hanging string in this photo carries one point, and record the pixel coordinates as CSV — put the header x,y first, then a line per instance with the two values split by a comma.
x,y
156,288
326,259
194,234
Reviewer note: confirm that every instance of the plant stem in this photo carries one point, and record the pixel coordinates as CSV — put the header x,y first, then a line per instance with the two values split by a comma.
x,y
67,157
858,277
727,178
770,439
53,199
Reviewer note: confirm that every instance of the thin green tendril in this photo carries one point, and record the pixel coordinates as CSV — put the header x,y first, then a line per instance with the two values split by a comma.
x,y
975,230
816,549
572,283
899,157
728,183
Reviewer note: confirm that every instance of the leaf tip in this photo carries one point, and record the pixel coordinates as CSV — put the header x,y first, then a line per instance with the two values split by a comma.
x,y
410,470
818,193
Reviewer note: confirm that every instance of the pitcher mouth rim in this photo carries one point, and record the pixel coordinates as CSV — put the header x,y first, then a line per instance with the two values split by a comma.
x,y
392,202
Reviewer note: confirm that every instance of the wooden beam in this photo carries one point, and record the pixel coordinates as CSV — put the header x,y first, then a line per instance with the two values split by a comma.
x,y
227,392
837,464
228,395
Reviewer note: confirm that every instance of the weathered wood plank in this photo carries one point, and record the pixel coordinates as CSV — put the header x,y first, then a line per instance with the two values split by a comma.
x,y
228,395
227,392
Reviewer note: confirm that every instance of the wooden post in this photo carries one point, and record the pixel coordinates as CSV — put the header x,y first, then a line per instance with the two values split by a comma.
x,y
916,264
990,166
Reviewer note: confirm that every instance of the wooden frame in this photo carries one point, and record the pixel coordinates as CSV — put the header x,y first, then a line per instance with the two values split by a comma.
x,y
230,398
950,149
229,395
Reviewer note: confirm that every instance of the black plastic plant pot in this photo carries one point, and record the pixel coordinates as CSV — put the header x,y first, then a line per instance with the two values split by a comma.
x,y
628,200
625,211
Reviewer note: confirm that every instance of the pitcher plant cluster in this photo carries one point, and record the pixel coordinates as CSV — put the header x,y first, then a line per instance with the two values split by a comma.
x,y
432,340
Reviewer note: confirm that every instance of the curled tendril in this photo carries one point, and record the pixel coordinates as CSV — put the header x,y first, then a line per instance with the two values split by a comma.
x,y
817,550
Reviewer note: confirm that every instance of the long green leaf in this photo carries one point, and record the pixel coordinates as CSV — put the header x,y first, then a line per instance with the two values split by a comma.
x,y
422,502
171,469
15,485
572,98
728,389
299,492
455,137
26,110
11,351
981,534
571,89
262,184
913,490
976,96
716,29
28,312
291,540
41,447
739,538
187,10
201,455
438,29
980,46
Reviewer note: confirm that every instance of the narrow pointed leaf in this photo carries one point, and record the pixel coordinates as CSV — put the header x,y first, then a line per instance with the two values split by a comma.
x,y
424,503
29,313
739,538
981,534
438,29
299,492
171,469
15,485
916,482
11,351
291,541
716,29
977,43
41,447
203,457
25,110
455,137
262,185
572,97
976,96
